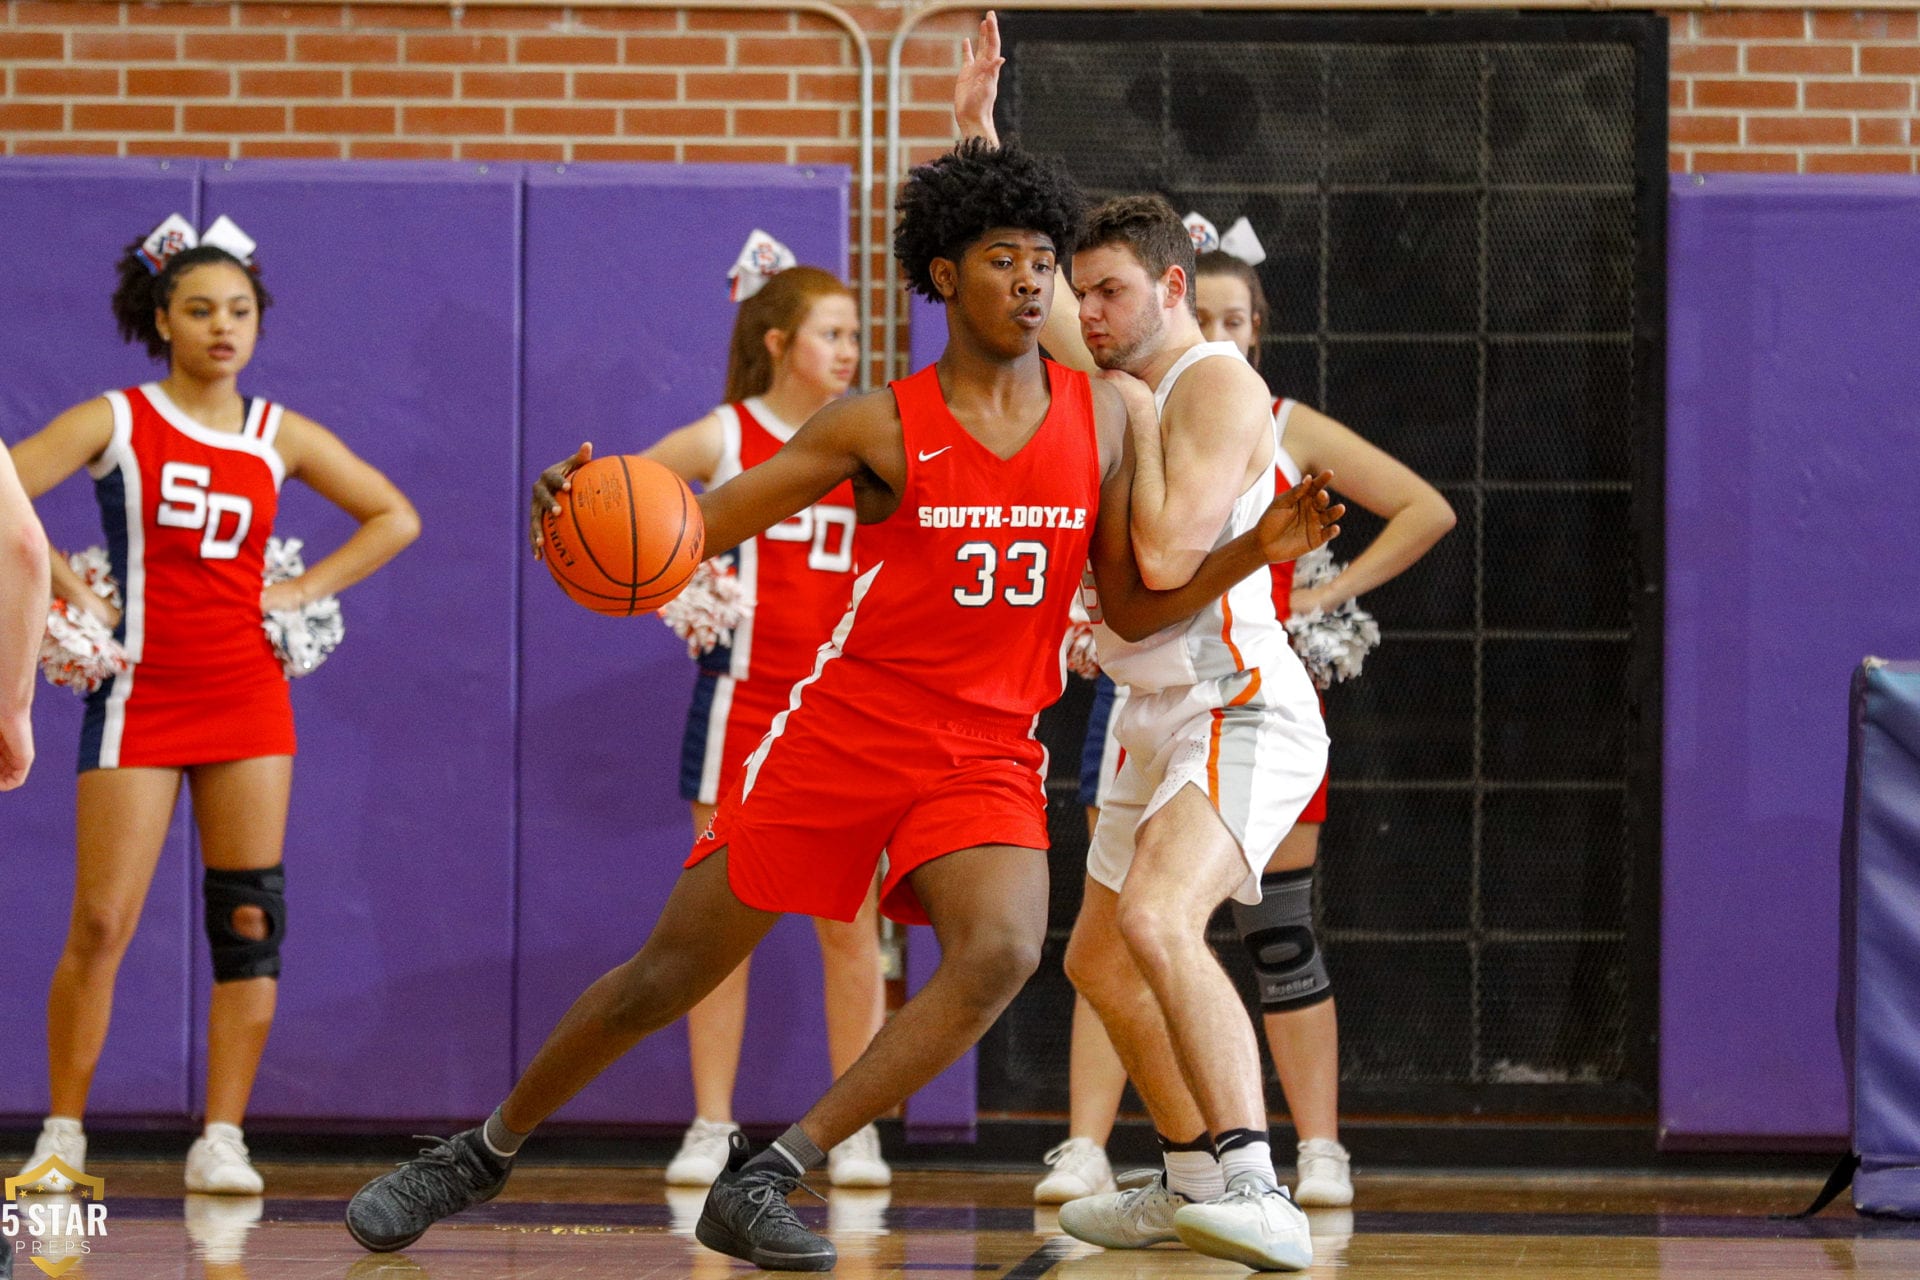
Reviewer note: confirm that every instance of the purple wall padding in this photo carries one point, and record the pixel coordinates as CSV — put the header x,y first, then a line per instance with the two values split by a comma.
x,y
627,321
927,336
76,216
1793,496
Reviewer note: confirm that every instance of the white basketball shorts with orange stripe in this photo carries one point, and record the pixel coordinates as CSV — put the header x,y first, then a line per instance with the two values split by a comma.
x,y
1252,742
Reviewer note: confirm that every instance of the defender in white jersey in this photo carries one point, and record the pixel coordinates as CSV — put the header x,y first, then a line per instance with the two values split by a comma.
x,y
1224,747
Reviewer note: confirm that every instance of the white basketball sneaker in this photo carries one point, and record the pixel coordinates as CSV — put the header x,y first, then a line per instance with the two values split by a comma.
x,y
1253,1224
1324,1176
1080,1168
62,1137
702,1154
1140,1216
217,1164
857,1162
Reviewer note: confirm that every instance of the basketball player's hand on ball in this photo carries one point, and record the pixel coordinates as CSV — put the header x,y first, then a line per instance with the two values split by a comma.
x,y
552,481
978,84
1302,518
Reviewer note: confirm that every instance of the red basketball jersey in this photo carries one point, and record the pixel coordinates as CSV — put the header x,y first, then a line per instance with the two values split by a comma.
x,y
799,573
964,591
187,512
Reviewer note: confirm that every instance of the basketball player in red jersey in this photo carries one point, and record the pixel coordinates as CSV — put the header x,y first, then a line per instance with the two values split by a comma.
x,y
978,482
794,349
23,616
188,471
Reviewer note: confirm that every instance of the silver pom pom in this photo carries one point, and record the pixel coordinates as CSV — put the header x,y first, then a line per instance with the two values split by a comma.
x,y
706,611
302,638
1332,643
1083,657
78,652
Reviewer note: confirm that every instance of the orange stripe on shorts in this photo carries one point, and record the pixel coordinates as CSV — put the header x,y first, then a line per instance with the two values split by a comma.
x,y
1213,758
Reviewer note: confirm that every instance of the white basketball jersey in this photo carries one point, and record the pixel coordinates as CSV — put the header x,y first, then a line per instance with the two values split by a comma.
x,y
1237,632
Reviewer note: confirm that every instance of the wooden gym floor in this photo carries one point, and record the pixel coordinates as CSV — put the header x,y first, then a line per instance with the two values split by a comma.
x,y
578,1223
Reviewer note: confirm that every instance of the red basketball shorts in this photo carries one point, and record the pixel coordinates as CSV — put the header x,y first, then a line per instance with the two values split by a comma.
x,y
852,772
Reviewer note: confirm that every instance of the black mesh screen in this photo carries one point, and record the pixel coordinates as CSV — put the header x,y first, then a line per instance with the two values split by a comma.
x,y
1463,216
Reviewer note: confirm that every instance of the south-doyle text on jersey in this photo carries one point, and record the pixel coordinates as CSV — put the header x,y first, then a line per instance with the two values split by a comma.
x,y
1017,517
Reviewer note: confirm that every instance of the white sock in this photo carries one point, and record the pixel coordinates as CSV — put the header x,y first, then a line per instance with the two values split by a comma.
x,y
1194,1174
1254,1158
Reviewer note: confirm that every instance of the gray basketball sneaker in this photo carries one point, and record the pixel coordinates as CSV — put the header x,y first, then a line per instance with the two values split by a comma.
x,y
395,1209
747,1216
1135,1218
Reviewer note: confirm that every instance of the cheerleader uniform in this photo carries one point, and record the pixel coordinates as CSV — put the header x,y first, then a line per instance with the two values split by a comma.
x,y
187,511
799,576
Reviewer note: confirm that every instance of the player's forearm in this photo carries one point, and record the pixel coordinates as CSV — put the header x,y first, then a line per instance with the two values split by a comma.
x,y
1409,535
23,612
1133,611
378,540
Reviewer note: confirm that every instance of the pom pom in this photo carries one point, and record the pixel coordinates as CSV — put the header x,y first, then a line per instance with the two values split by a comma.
x,y
302,638
78,652
1083,658
1332,643
706,612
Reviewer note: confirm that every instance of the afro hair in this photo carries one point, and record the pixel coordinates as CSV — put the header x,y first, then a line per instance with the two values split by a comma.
x,y
950,202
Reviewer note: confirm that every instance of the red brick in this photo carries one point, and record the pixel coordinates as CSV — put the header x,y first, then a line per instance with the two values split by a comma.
x,y
327,46
1879,131
381,82
734,153
675,51
1677,93
457,48
923,52
291,148
66,82
626,20
127,46
626,86
405,17
179,15
292,15
817,154
538,152
234,46
180,148
567,50
624,151
1746,93
65,13
179,82
786,122
1860,162
673,122
517,85
1745,162
341,118
490,18
1751,24
956,24
1799,131
566,121
792,51
1890,60
126,117
1708,129
383,149
1859,95
18,46
1676,162
65,147
1800,59
934,88
842,87
439,121
234,118
1866,25
924,122
738,86
291,82
712,20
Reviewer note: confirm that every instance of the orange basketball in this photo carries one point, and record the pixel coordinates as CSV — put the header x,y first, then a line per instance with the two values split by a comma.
x,y
625,537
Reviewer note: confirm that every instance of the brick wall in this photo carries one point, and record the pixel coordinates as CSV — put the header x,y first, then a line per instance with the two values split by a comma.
x,y
1757,90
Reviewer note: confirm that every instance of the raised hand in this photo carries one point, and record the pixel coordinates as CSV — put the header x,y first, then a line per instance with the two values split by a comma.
x,y
978,84
1301,519
552,481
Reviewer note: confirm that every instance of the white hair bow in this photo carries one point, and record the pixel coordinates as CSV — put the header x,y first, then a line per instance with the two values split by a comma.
x,y
1240,241
175,235
761,260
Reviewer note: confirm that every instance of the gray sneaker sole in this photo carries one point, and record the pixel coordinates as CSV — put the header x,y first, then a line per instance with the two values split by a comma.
x,y
721,1240
1201,1238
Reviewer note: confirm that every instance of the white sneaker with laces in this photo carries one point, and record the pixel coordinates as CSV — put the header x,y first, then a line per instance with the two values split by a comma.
x,y
217,1164
1135,1218
702,1154
1080,1168
1324,1175
857,1162
1254,1224
62,1137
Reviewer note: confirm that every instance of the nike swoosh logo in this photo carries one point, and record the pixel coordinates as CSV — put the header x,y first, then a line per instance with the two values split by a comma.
x,y
925,457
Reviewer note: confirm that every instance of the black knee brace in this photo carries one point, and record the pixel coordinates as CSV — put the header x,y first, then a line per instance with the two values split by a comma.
x,y
1278,934
237,957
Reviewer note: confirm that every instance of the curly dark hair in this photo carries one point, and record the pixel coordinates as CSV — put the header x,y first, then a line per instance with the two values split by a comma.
x,y
950,202
142,292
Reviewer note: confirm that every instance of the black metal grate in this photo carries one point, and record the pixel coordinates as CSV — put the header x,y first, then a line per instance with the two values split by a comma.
x,y
1462,216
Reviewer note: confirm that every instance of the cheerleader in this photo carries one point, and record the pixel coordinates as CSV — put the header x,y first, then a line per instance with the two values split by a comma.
x,y
188,471
794,349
